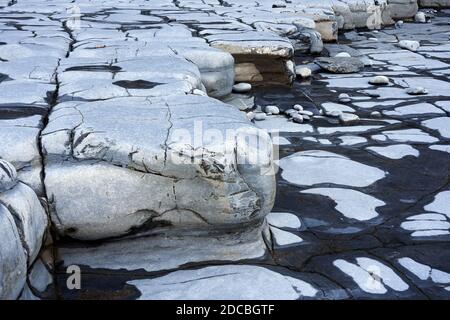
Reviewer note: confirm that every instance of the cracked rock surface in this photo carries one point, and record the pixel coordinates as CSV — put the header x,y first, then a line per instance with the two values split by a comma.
x,y
97,99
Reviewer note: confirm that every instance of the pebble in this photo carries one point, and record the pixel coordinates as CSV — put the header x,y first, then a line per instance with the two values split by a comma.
x,y
306,117
343,54
375,114
250,115
410,45
348,118
399,24
306,113
303,72
344,97
242,87
416,91
260,116
290,112
272,110
298,118
199,92
298,107
420,17
379,80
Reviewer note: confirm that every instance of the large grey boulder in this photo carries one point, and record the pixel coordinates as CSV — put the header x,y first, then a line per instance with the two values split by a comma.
x,y
179,162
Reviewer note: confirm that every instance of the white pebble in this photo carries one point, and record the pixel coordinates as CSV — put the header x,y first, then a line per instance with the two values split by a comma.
x,y
420,17
297,118
242,87
260,116
379,80
298,107
343,55
305,112
409,45
348,118
303,72
344,97
272,110
416,91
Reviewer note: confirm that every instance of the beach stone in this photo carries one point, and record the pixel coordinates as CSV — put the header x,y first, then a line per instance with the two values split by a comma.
x,y
343,55
298,107
242,87
420,17
344,97
303,72
260,116
298,118
340,65
272,110
379,80
348,118
409,45
416,91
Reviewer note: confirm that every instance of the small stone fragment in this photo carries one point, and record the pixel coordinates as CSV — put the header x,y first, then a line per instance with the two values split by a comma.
x,y
340,64
260,116
298,107
343,55
409,45
415,91
379,80
242,87
420,17
303,72
348,118
272,110
344,97
298,118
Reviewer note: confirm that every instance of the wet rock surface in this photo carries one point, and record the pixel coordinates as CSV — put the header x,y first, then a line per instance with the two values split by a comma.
x,y
91,94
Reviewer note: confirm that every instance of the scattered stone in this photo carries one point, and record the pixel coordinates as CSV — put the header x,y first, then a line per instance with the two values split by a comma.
x,y
272,110
375,114
343,55
290,112
306,117
260,116
399,24
298,118
242,87
409,45
379,80
340,64
250,115
298,107
416,91
303,72
344,97
306,113
420,17
348,118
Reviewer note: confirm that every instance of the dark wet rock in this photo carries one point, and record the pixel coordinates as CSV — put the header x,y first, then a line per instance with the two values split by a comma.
x,y
340,64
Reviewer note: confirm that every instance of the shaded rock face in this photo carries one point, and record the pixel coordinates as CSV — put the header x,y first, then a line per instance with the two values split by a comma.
x,y
23,223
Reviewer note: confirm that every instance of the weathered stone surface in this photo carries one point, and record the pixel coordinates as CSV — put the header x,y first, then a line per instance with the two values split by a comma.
x,y
88,148
340,64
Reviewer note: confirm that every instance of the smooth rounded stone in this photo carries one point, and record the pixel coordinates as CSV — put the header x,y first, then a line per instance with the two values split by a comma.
x,y
242,87
375,114
303,72
8,176
344,97
348,118
410,45
420,17
306,117
250,115
379,80
297,118
343,55
298,107
260,116
399,24
305,113
340,65
290,112
416,91
272,110
13,262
